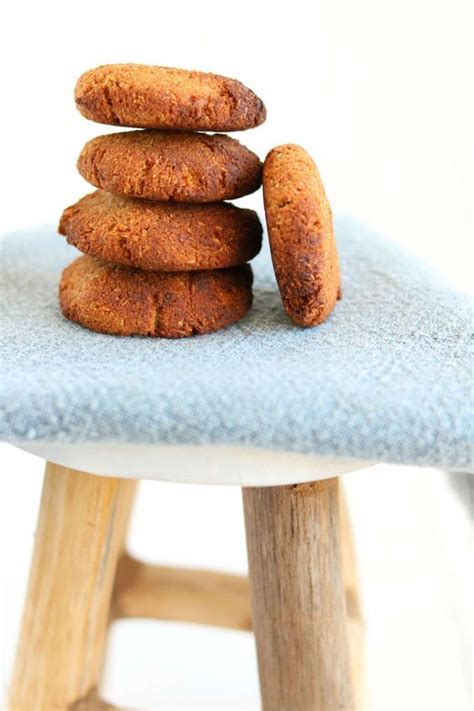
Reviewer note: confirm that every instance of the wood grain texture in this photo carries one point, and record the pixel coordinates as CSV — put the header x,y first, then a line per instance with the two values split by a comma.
x,y
298,602
79,536
181,594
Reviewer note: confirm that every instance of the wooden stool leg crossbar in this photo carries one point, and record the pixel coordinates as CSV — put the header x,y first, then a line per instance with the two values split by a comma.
x,y
82,578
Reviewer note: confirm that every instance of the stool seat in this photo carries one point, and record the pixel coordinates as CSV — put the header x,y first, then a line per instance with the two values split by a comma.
x,y
386,378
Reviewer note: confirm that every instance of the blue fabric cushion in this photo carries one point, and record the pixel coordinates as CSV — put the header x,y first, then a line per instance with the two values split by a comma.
x,y
387,378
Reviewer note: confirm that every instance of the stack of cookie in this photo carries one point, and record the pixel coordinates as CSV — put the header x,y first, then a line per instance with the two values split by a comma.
x,y
164,255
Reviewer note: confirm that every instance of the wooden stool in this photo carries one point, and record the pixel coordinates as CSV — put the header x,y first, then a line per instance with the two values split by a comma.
x,y
301,598
263,405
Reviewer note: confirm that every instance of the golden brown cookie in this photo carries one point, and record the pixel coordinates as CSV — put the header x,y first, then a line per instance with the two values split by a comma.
x,y
162,236
143,96
301,235
171,165
124,301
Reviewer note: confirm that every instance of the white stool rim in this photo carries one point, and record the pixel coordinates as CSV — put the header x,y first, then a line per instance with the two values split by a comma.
x,y
192,464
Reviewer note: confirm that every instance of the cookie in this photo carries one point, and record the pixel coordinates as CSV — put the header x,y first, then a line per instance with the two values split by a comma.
x,y
142,96
162,236
124,301
301,235
171,165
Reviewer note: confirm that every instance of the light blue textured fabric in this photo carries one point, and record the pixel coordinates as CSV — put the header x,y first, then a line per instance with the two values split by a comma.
x,y
387,378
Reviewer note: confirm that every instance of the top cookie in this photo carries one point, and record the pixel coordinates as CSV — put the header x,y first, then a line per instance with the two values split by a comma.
x,y
301,235
143,96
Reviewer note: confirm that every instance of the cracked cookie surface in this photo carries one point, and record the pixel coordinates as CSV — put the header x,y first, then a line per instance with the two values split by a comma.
x,y
301,235
124,301
162,236
143,96
171,165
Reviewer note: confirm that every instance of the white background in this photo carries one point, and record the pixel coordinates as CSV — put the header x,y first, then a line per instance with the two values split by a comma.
x,y
378,92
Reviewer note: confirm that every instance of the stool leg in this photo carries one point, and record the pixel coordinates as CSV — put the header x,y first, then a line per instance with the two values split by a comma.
x,y
297,591
355,619
80,532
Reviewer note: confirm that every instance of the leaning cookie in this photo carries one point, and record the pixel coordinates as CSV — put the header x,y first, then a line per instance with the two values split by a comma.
x,y
301,235
171,165
124,301
143,96
162,236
